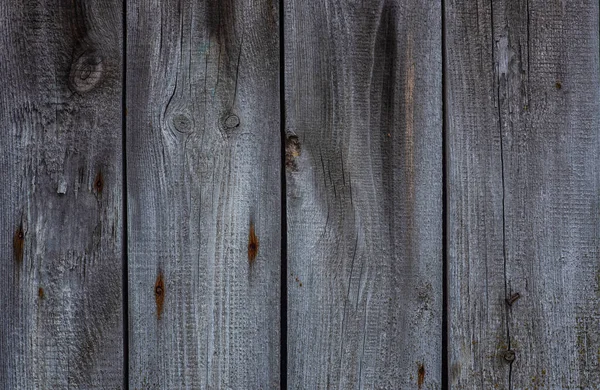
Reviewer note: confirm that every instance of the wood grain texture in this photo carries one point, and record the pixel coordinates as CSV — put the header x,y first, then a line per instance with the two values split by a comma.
x,y
364,193
523,111
204,194
60,194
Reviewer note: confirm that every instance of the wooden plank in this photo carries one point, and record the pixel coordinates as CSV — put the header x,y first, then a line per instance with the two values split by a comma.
x,y
364,193
60,190
203,163
524,273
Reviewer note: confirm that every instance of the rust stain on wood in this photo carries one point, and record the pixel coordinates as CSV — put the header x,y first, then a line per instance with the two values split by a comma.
x,y
159,294
41,293
421,378
99,183
252,244
19,243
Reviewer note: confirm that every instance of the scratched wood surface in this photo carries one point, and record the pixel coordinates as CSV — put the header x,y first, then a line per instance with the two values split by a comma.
x,y
523,110
204,194
61,323
364,193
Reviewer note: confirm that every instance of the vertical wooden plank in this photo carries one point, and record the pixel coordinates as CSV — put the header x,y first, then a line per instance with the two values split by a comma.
x,y
523,139
204,193
60,191
364,188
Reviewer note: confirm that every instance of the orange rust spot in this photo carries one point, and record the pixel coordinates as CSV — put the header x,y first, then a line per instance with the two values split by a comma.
x,y
159,294
19,243
99,182
252,244
421,378
41,293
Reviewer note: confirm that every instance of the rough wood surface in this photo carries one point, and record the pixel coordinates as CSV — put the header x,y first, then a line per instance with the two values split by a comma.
x,y
204,194
364,193
524,224
60,195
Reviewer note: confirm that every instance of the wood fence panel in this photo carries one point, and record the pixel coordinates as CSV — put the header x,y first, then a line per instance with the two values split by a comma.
x,y
523,111
204,193
364,193
61,323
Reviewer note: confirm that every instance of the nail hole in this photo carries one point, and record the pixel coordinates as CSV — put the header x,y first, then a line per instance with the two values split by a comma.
x,y
19,243
513,298
159,294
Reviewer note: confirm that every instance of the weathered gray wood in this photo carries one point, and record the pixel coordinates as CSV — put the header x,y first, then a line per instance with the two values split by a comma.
x,y
523,112
203,164
364,193
60,195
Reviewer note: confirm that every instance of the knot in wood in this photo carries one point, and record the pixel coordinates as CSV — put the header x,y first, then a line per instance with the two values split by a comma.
x,y
86,72
182,123
232,121
509,355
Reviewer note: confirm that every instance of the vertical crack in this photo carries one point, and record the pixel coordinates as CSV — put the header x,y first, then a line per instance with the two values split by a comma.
x,y
445,357
125,265
500,125
284,257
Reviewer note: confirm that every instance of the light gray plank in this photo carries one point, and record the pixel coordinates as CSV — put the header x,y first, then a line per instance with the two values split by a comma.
x,y
60,194
364,193
203,163
523,139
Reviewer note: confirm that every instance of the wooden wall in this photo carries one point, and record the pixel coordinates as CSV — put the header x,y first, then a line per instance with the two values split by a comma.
x,y
227,194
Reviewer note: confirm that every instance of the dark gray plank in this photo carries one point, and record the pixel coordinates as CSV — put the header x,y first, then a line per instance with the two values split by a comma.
x,y
364,193
60,195
523,144
203,163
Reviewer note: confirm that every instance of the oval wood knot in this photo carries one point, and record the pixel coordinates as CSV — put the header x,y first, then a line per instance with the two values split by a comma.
x,y
232,121
509,355
86,72
182,123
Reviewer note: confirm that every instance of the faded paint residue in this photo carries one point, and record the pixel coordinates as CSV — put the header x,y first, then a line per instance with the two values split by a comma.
x,y
421,377
252,244
503,56
19,243
292,151
159,294
99,183
455,371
